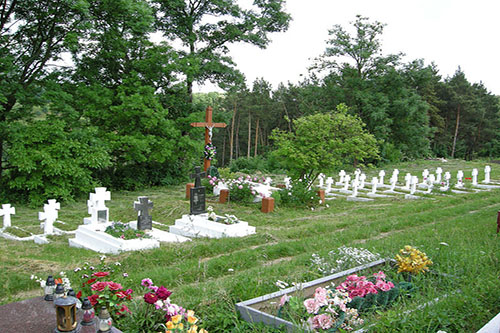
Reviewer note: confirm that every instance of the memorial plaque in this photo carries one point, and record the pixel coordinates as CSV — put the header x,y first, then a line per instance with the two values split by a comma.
x,y
102,216
197,200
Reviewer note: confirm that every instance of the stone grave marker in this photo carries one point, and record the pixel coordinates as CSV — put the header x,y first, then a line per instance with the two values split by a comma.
x,y
354,195
357,173
425,177
321,179
341,178
197,199
219,187
407,181
6,212
97,209
439,171
49,214
329,182
381,176
345,189
460,181
487,170
395,174
413,188
393,180
446,186
144,220
362,179
374,185
287,182
474,176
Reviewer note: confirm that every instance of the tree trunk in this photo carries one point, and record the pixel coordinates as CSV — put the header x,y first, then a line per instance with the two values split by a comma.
x,y
224,148
231,140
237,138
249,133
256,137
456,132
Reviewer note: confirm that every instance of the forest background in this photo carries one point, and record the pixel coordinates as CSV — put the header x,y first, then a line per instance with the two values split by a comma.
x,y
119,115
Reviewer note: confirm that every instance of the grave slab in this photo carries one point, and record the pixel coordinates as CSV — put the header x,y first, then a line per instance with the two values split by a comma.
x,y
200,226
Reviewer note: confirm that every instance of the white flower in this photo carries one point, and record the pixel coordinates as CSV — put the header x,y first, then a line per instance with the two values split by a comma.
x,y
289,193
230,270
117,264
327,206
320,202
312,208
103,257
443,243
77,269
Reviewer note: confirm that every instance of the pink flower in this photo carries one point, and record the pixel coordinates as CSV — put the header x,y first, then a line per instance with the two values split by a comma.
x,y
320,295
100,274
99,286
284,299
146,282
379,275
114,286
311,305
384,286
240,186
322,321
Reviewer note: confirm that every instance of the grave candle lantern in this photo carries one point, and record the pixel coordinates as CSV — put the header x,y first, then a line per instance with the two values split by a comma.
x,y
49,288
66,314
59,292
88,323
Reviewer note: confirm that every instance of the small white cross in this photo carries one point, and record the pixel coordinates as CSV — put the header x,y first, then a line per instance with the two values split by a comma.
x,y
6,212
49,214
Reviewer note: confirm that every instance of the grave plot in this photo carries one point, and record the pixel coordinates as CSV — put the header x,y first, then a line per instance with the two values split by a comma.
x,y
100,235
199,224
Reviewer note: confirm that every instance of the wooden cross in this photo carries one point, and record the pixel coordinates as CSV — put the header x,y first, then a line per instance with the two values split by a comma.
x,y
209,125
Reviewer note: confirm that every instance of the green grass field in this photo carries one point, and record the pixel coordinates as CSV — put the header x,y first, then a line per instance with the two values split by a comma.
x,y
210,275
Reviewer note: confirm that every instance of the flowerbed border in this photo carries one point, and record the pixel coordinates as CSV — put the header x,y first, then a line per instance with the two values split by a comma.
x,y
253,315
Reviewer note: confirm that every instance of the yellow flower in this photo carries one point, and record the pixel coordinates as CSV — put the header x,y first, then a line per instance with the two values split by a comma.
x,y
192,319
176,319
170,325
193,329
190,313
181,326
202,331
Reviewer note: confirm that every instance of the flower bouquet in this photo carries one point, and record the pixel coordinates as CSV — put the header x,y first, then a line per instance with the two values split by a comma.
x,y
124,231
412,261
209,152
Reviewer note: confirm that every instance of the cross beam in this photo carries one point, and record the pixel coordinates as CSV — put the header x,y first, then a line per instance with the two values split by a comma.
x,y
209,125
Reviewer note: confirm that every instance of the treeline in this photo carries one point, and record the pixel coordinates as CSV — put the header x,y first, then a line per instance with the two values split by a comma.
x,y
88,97
412,110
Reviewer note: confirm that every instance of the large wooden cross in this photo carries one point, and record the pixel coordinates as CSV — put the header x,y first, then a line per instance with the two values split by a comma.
x,y
209,125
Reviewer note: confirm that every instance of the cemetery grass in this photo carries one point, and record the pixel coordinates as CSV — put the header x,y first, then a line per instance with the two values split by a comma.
x,y
458,232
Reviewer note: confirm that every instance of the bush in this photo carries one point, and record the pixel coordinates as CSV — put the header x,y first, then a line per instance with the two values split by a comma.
x,y
299,194
248,165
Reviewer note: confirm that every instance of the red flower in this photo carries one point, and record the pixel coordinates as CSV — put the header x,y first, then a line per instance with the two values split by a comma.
x,y
123,309
79,295
121,294
150,298
99,286
100,274
114,286
93,299
163,293
90,281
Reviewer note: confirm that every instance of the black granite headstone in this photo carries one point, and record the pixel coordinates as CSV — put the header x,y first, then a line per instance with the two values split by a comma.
x,y
197,193
144,220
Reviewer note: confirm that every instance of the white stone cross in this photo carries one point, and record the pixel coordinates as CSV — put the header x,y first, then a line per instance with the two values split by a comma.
x,y
439,171
341,177
356,174
460,176
394,180
425,174
395,174
487,170
287,182
347,180
474,176
362,179
49,214
414,181
374,185
329,182
381,175
447,177
268,181
100,197
355,184
6,212
97,206
407,181
432,179
321,178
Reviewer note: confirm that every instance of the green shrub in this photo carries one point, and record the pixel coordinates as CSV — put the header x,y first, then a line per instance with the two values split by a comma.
x,y
300,194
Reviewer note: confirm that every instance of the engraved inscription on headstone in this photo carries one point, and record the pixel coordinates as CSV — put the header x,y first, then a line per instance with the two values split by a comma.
x,y
144,220
197,200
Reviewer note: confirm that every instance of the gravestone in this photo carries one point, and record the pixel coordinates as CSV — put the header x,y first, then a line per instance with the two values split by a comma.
x,y
144,220
6,212
197,199
439,171
329,182
407,181
487,170
474,176
49,214
357,173
446,186
373,192
393,182
395,174
425,177
381,175
341,178
345,189
362,179
460,182
97,209
287,182
413,188
321,179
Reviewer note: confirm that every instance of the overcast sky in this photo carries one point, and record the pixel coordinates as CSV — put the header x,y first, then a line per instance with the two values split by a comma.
x,y
449,33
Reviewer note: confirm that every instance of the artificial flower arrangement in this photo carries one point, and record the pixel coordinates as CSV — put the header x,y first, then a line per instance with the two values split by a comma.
x,y
209,151
156,312
226,219
412,260
342,258
124,231
328,310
